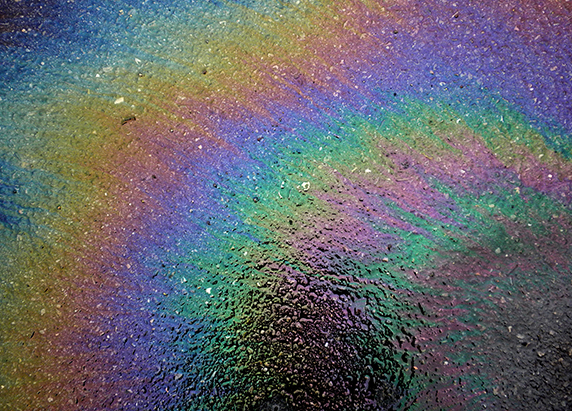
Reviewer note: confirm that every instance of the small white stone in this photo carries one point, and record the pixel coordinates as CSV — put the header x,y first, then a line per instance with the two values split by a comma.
x,y
119,100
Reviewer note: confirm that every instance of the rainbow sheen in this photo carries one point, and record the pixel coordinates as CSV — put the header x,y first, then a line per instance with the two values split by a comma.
x,y
285,205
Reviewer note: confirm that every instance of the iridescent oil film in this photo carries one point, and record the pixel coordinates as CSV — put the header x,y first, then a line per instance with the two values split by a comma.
x,y
285,205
